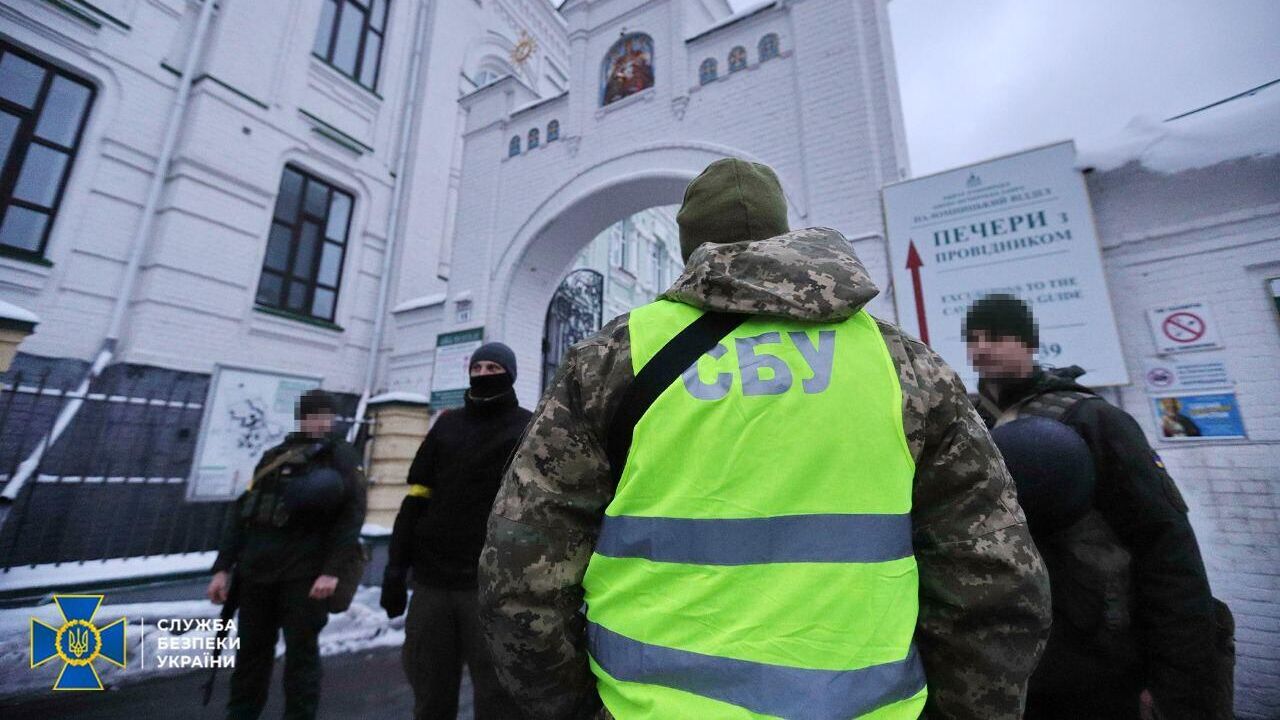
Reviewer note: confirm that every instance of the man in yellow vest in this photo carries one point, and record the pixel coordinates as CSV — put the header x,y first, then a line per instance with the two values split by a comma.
x,y
751,499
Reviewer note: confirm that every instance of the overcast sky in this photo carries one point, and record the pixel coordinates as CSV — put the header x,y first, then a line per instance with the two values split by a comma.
x,y
981,78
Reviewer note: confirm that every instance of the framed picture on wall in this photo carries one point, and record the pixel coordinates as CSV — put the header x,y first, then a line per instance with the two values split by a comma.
x,y
247,412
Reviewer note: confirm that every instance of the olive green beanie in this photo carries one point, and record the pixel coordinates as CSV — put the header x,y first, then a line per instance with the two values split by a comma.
x,y
731,201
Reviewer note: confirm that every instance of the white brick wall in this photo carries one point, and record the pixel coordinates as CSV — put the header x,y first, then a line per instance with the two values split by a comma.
x,y
1213,235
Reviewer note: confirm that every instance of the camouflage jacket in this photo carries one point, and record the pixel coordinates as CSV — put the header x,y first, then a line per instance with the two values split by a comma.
x,y
984,592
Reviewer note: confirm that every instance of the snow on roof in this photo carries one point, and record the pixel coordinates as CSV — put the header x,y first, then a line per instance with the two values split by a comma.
x,y
405,397
1244,126
746,11
421,302
13,312
535,103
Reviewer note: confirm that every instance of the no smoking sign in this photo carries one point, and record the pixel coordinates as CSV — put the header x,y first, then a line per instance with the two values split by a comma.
x,y
1183,327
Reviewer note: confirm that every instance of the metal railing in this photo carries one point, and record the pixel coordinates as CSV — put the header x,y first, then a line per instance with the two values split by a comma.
x,y
114,484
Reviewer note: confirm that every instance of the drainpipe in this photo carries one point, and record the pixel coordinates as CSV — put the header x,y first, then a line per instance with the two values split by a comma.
x,y
68,412
393,222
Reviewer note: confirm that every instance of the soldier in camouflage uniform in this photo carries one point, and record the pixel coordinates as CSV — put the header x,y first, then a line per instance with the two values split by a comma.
x,y
983,591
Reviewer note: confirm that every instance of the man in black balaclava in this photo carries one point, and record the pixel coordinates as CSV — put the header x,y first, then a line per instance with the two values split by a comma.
x,y
439,533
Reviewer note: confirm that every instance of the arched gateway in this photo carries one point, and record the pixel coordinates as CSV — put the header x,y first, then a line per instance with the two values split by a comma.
x,y
642,117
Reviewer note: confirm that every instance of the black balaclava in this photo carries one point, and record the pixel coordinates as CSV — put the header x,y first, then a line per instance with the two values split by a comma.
x,y
487,386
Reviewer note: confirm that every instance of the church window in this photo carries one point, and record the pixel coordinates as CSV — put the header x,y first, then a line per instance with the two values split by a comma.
x,y
553,131
627,69
769,47
350,37
707,71
533,138
737,59
513,147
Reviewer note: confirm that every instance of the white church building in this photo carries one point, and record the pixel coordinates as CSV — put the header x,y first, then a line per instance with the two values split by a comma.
x,y
326,192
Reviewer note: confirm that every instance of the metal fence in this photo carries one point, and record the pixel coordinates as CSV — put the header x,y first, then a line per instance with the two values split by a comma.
x,y
113,485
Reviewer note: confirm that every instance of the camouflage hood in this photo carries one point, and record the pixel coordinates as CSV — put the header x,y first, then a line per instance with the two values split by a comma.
x,y
810,274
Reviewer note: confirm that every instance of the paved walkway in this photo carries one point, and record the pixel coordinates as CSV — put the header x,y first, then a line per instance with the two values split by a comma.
x,y
357,686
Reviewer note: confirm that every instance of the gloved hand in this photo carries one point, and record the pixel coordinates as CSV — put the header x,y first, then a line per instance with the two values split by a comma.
x,y
395,594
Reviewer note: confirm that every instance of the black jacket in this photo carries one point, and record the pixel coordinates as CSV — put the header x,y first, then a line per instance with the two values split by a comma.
x,y
293,546
1173,612
440,529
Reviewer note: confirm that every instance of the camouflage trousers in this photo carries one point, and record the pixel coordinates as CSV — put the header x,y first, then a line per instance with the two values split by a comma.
x,y
441,632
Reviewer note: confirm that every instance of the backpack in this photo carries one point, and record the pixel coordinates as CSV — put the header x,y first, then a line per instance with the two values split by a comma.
x,y
352,559
1092,570
1090,567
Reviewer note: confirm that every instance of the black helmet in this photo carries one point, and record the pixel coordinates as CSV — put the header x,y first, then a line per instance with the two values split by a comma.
x,y
315,492
1053,469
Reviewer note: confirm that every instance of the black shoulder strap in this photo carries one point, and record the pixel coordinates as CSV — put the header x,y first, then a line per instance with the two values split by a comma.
x,y
657,375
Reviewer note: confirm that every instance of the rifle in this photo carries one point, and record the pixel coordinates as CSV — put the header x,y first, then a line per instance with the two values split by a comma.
x,y
228,611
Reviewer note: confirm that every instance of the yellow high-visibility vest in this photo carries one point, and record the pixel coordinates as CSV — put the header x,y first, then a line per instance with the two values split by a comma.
x,y
756,560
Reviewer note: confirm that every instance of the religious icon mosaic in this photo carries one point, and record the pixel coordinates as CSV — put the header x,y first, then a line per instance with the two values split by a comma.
x,y
628,68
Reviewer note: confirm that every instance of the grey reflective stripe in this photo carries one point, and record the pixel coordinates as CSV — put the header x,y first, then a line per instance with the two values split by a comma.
x,y
752,541
778,690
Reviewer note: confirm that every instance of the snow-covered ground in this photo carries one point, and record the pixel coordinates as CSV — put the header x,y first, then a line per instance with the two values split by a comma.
x,y
364,625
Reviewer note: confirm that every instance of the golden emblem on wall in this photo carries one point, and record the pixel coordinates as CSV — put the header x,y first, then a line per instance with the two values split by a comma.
x,y
524,48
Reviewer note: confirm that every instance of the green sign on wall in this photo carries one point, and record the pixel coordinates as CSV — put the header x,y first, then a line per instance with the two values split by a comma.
x,y
450,376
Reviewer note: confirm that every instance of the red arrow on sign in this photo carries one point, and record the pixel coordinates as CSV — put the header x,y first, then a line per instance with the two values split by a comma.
x,y
913,264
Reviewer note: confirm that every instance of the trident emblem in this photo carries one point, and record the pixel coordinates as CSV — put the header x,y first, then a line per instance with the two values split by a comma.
x,y
78,642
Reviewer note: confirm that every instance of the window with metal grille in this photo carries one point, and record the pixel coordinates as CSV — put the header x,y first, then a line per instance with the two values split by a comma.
x,y
350,37
306,246
43,110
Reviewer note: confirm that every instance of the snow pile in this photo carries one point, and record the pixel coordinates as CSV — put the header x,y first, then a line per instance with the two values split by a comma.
x,y
373,530
1243,127
420,302
363,626
13,312
49,577
400,396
